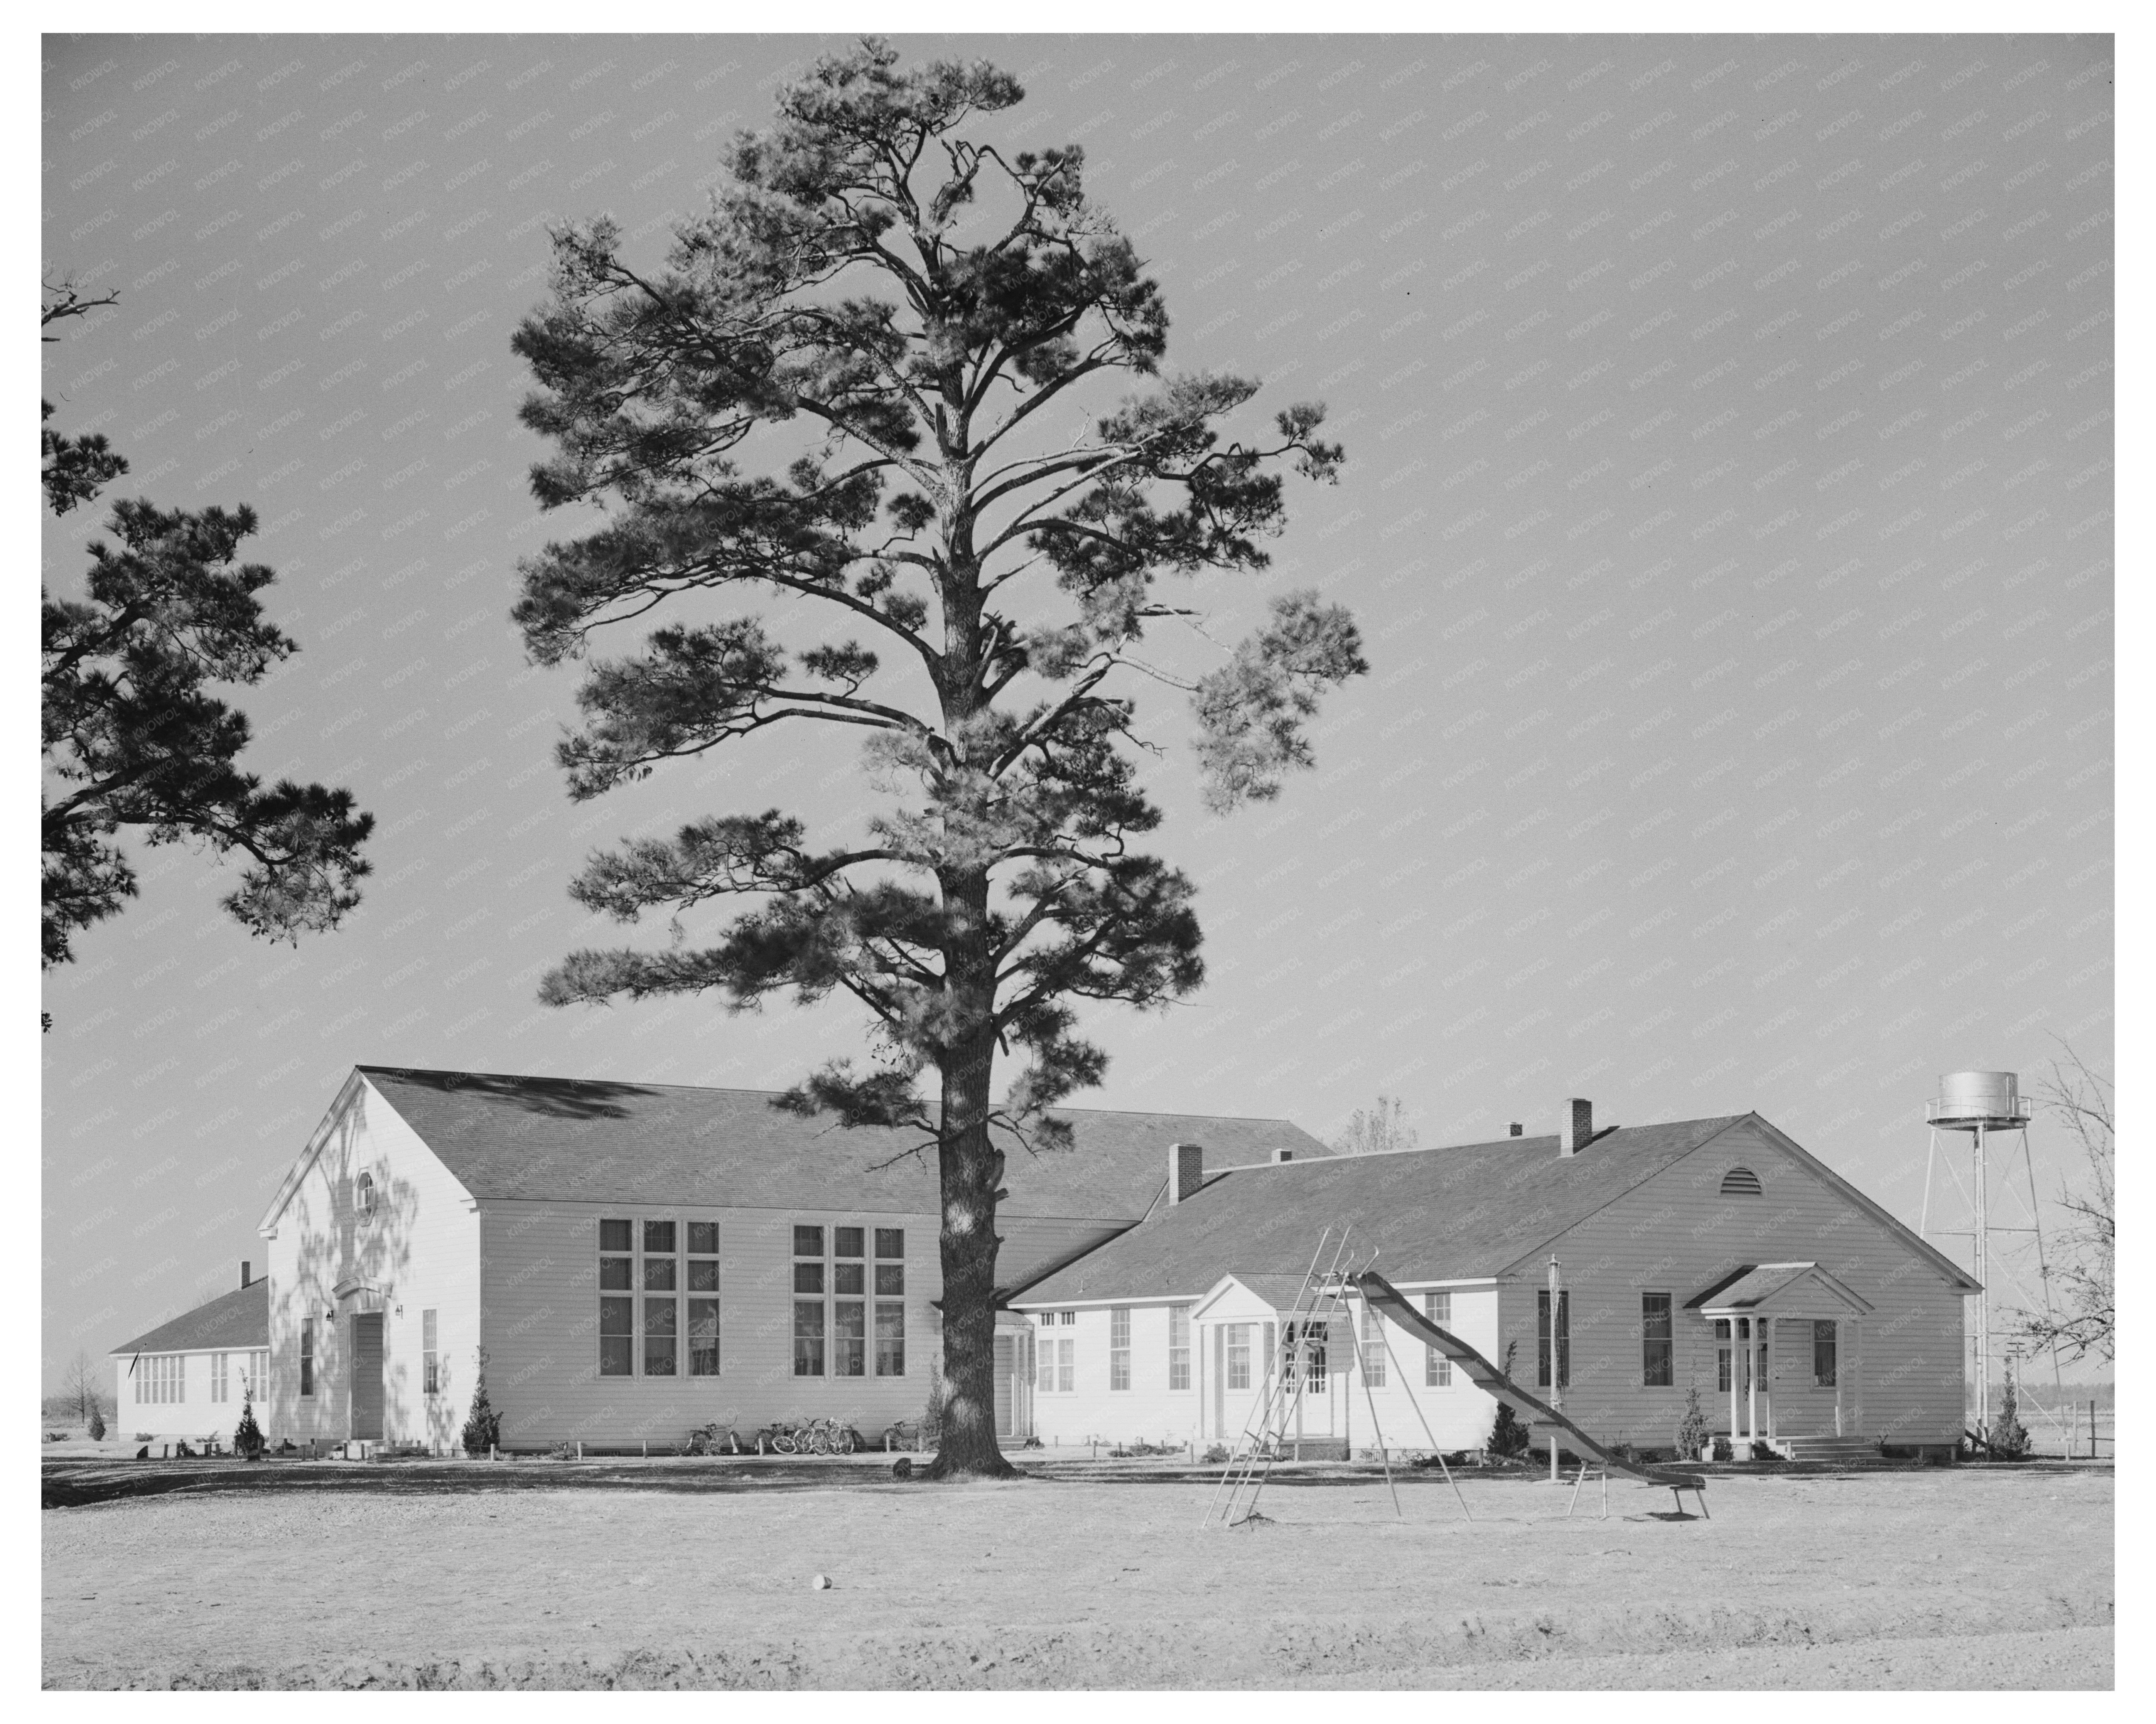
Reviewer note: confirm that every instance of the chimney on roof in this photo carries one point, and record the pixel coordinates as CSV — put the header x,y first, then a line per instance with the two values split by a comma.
x,y
244,1266
1282,1155
1186,1170
1578,1126
1517,1128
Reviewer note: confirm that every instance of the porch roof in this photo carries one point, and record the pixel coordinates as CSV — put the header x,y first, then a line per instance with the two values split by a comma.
x,y
1778,1290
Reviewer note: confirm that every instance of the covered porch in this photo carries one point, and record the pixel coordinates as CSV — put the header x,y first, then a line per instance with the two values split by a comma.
x,y
1248,1334
1789,1355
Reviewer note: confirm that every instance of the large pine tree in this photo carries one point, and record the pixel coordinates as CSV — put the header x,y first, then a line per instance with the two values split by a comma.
x,y
911,316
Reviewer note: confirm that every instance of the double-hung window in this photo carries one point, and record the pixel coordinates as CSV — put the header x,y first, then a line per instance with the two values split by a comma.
x,y
849,1308
662,1307
703,1269
1119,1347
1563,1337
809,1283
430,1359
1055,1364
219,1381
1823,1362
1374,1347
1436,1368
1723,1363
1238,1356
890,1301
1303,1350
1657,1342
1178,1347
306,1355
616,1298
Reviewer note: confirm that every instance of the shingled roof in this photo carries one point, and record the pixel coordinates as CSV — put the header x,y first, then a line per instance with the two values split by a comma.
x,y
592,1140
1445,1214
232,1322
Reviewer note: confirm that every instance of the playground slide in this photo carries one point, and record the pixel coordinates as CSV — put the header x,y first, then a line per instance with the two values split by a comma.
x,y
1487,1376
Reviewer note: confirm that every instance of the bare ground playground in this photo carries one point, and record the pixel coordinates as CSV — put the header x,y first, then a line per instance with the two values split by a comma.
x,y
688,1574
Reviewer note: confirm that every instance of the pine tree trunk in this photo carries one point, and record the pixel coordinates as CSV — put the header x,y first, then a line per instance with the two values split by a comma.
x,y
971,1171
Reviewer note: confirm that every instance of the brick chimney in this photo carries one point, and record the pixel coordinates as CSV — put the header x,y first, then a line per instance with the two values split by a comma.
x,y
1282,1155
1577,1126
1186,1170
1517,1128
244,1267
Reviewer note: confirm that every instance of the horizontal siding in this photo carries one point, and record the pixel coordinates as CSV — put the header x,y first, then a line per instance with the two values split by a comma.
x,y
194,1416
421,1249
541,1330
1678,1234
1458,1415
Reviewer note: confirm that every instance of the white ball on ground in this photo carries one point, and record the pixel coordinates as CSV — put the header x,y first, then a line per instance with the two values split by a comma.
x,y
819,1583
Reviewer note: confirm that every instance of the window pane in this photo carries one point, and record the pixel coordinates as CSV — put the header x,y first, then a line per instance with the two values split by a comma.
x,y
614,1236
658,1236
1238,1356
1657,1361
704,1274
1066,1367
427,1330
849,1324
847,1277
617,1272
1119,1326
809,1337
704,1237
808,1241
846,1242
703,1336
660,1324
891,1341
807,1278
890,1241
617,1324
659,1273
891,1277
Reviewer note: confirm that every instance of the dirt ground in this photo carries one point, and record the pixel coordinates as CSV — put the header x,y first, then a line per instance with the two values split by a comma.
x,y
1948,1579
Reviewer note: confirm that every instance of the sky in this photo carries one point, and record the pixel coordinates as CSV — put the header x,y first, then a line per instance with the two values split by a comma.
x,y
1728,514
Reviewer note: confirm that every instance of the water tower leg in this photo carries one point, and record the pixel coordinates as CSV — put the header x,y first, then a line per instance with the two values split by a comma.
x,y
1981,1225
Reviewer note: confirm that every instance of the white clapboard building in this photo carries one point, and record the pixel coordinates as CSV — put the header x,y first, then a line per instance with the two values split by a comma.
x,y
186,1380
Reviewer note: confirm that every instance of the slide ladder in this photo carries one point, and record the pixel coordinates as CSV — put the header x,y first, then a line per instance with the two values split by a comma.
x,y
1378,1291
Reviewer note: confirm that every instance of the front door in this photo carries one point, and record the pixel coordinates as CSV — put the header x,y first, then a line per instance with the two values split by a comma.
x,y
367,1376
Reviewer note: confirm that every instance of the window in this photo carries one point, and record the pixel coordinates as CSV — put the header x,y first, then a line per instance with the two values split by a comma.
x,y
161,1379
1563,1337
1178,1347
430,1362
849,1333
306,1355
219,1382
1066,1316
808,1337
808,1242
703,1338
1436,1368
617,1336
1306,1353
1741,1183
364,1193
890,1241
661,1331
1373,1347
1721,1363
1066,1365
891,1336
1238,1356
1119,1347
1657,1342
1056,1362
1824,1362
846,1242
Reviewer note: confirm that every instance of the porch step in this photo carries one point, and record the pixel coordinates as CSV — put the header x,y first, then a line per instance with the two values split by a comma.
x,y
1825,1448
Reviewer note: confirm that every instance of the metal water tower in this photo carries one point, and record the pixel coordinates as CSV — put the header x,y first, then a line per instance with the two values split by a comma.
x,y
1980,1103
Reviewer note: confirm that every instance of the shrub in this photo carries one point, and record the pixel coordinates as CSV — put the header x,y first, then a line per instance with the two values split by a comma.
x,y
247,1435
96,1425
482,1424
931,1416
2010,1438
1217,1454
1692,1429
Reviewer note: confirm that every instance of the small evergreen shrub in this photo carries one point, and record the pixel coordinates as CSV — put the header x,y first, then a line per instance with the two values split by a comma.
x,y
1692,1429
96,1425
247,1435
482,1424
2010,1438
1509,1439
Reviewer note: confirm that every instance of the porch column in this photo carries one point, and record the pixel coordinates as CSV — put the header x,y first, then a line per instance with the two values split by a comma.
x,y
1751,1380
1841,1379
1855,1368
1735,1376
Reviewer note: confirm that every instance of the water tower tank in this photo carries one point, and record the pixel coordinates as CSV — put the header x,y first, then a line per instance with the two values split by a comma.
x,y
1970,1098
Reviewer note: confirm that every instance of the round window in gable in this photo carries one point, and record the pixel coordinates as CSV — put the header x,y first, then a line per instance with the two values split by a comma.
x,y
1741,1183
365,1193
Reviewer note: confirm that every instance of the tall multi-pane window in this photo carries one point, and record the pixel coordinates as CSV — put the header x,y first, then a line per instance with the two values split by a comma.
x,y
1238,1356
703,1299
1436,1368
1374,1347
1823,1362
809,1301
890,1308
662,1311
219,1382
306,1355
430,1359
1722,1372
1178,1347
1658,1368
1303,1348
848,1311
1563,1337
1119,1347
616,1298
1066,1365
